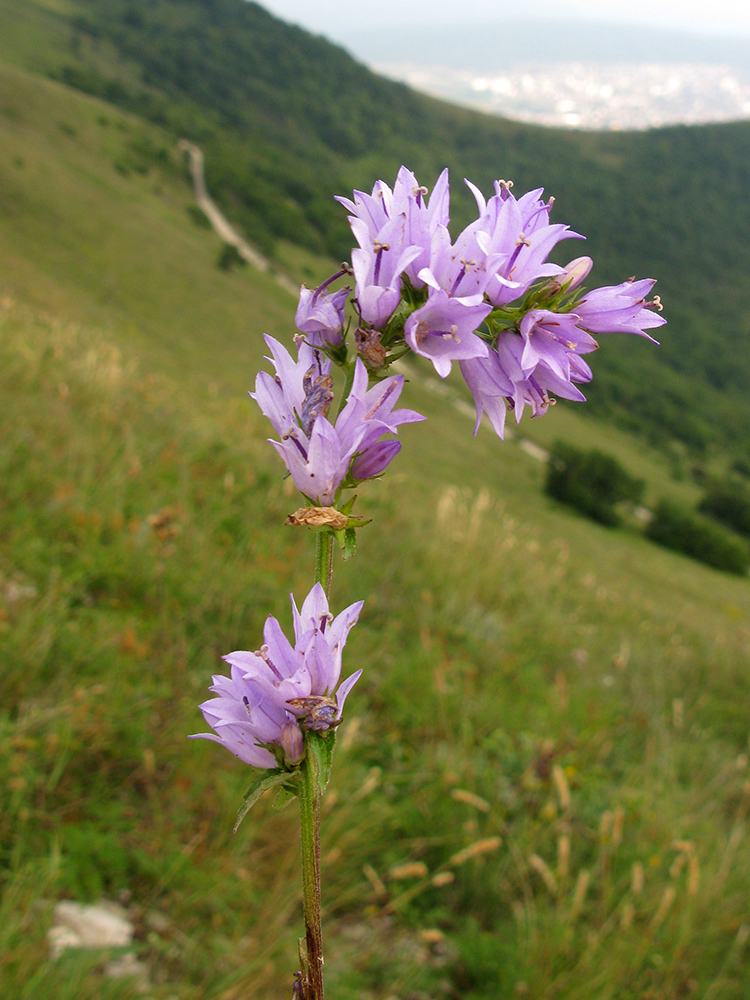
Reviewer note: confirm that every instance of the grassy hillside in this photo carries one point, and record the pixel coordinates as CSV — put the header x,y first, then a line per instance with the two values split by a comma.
x,y
287,120
576,692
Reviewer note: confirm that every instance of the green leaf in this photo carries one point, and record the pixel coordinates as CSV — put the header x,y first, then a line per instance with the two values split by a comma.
x,y
350,543
275,776
320,754
347,507
286,794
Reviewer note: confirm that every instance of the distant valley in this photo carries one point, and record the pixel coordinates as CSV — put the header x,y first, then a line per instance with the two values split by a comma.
x,y
577,75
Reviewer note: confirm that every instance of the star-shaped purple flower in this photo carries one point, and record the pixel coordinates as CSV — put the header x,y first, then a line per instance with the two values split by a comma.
x,y
623,308
443,330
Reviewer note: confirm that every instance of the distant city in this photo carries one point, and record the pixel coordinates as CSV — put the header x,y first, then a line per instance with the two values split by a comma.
x,y
593,95
569,74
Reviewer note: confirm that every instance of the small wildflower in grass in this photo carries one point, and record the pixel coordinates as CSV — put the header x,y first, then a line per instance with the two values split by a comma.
x,y
272,692
517,325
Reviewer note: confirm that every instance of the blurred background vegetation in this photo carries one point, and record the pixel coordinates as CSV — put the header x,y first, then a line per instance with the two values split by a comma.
x,y
541,788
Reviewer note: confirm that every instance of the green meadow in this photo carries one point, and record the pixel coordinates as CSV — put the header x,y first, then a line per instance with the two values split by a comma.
x,y
541,788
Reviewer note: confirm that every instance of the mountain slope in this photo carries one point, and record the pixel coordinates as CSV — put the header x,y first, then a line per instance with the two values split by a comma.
x,y
504,642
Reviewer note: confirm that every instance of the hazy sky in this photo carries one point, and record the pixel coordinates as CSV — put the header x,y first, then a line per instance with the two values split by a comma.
x,y
334,19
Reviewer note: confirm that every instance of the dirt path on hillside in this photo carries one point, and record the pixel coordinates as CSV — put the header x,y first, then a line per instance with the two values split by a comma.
x,y
219,222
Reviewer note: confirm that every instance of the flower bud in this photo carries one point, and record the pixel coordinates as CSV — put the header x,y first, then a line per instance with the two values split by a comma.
x,y
292,742
320,315
575,272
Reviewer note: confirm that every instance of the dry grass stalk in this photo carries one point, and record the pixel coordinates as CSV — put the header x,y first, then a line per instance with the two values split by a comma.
x,y
540,865
413,869
563,856
628,912
686,846
443,878
370,783
474,850
562,690
667,899
677,865
349,734
375,881
579,895
620,660
461,795
431,935
731,849
563,789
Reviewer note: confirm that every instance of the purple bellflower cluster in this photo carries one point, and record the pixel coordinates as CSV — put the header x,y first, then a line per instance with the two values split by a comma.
x,y
516,323
274,693
322,457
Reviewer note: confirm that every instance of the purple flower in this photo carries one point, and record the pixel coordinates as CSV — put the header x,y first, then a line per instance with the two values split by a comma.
x,y
377,272
527,370
317,453
405,214
443,330
258,704
461,269
517,234
535,383
491,388
421,217
368,415
620,308
553,339
394,230
320,316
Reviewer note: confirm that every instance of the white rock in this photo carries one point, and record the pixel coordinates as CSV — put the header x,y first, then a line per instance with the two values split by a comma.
x,y
61,938
101,925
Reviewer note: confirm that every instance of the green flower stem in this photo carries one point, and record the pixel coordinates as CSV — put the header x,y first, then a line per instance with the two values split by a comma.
x,y
324,560
309,798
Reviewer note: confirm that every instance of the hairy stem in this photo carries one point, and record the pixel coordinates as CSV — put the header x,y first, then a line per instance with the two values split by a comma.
x,y
324,560
310,796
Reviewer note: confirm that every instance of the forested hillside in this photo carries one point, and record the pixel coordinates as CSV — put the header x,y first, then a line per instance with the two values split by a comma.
x,y
287,120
